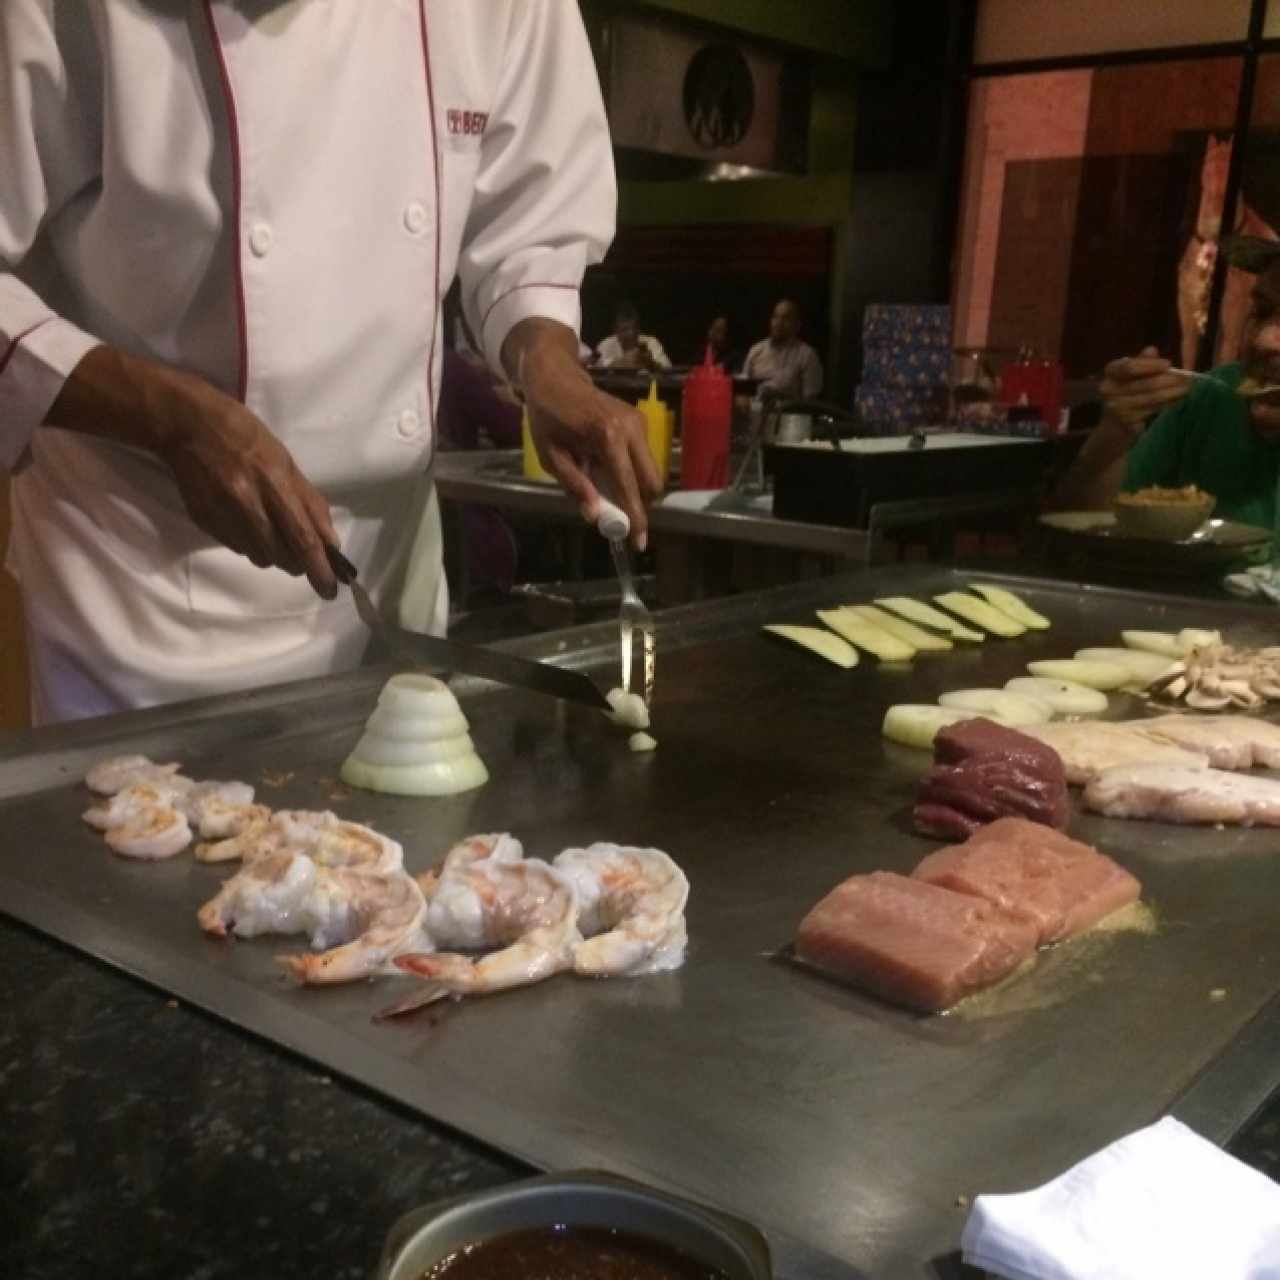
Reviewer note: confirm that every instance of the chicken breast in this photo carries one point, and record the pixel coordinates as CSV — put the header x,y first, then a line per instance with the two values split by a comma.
x,y
1227,742
1089,747
1178,793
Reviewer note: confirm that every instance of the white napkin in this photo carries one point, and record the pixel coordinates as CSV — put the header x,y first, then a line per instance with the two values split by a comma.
x,y
1160,1204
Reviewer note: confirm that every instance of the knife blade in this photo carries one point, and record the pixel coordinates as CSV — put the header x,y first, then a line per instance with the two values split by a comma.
x,y
469,659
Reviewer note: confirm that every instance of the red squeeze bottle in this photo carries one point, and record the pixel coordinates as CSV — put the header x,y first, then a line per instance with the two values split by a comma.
x,y
706,410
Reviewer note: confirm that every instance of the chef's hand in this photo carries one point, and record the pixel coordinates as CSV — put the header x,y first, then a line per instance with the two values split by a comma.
x,y
582,435
1135,388
238,482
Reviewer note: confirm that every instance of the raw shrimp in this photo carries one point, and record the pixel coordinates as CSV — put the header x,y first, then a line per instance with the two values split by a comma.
x,y
155,832
526,904
220,809
631,909
458,917
117,772
322,837
356,919
381,915
130,805
269,895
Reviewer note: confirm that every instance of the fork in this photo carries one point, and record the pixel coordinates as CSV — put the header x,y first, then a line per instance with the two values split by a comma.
x,y
633,616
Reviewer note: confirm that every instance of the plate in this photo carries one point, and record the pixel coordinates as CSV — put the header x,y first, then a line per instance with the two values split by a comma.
x,y
1093,536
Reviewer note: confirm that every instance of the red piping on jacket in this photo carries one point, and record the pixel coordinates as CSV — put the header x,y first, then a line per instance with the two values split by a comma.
x,y
233,128
13,346
435,164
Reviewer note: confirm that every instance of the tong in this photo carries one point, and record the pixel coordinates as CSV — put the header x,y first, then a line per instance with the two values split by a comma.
x,y
633,616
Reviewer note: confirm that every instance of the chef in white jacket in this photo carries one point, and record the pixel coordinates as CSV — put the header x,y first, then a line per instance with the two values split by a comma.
x,y
225,231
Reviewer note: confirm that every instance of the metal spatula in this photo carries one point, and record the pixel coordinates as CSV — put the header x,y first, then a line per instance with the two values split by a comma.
x,y
633,616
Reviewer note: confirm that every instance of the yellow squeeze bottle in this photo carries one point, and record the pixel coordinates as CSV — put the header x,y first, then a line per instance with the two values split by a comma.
x,y
533,468
657,423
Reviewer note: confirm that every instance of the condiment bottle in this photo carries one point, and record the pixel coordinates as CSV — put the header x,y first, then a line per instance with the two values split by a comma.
x,y
657,426
706,412
533,468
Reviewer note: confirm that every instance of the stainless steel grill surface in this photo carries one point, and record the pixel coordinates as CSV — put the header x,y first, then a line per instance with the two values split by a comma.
x,y
850,1131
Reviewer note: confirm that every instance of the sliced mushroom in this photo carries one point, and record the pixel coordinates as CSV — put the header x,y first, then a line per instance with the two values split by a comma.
x,y
1204,701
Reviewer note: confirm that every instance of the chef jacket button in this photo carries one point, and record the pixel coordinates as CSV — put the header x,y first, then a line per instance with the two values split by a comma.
x,y
260,239
407,424
415,218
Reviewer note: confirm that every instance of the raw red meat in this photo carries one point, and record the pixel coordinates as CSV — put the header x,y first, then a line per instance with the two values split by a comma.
x,y
911,942
984,771
981,737
1060,885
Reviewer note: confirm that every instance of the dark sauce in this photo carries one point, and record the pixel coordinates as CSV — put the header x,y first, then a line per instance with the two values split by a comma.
x,y
571,1253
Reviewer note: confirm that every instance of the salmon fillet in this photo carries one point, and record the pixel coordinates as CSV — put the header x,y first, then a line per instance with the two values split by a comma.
x,y
1176,793
1087,747
910,942
1037,874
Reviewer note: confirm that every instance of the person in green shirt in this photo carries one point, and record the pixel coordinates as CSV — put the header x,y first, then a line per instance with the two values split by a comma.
x,y
1160,427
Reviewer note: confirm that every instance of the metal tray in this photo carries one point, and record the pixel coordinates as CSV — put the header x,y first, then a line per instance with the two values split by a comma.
x,y
851,1132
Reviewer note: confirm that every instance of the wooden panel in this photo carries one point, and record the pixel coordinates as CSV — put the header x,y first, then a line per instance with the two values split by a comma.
x,y
14,694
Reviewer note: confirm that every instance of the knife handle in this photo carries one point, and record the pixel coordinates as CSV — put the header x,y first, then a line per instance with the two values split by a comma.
x,y
612,522
343,569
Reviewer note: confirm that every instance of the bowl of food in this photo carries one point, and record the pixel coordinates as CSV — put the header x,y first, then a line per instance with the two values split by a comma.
x,y
585,1223
1164,515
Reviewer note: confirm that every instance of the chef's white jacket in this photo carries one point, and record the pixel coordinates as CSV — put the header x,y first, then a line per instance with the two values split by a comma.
x,y
274,196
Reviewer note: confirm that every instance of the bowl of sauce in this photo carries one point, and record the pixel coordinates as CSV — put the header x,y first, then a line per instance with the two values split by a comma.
x,y
573,1226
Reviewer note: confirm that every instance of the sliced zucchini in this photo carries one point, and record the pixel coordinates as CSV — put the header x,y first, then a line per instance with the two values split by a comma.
x,y
1015,607
1097,675
819,641
1012,708
907,632
980,613
866,635
927,616
1065,696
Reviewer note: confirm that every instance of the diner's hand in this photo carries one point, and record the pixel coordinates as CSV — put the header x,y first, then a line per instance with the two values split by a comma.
x,y
1135,388
239,484
582,435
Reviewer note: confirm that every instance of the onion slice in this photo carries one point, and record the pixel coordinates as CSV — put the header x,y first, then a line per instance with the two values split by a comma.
x,y
1097,675
1066,697
1012,708
415,742
916,724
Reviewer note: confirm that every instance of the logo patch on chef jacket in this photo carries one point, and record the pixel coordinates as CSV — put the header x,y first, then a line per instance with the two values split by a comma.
x,y
465,124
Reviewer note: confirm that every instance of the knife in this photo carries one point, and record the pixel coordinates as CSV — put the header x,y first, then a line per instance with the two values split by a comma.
x,y
473,660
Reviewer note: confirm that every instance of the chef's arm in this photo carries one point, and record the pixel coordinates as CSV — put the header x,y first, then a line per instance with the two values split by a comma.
x,y
582,435
238,482
1134,389
543,207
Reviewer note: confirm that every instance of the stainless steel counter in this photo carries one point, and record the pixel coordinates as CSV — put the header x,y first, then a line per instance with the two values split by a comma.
x,y
851,1131
494,477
